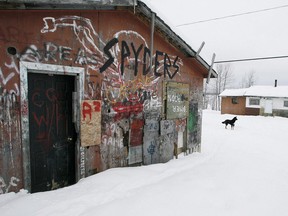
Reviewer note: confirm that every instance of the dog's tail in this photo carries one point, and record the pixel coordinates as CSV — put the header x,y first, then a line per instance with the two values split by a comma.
x,y
223,122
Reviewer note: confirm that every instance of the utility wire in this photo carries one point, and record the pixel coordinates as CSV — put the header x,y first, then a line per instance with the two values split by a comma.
x,y
250,59
233,15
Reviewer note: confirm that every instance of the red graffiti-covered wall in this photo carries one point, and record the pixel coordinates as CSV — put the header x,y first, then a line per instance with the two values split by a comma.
x,y
113,48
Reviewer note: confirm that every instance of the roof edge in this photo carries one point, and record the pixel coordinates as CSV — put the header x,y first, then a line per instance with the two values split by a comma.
x,y
180,43
72,2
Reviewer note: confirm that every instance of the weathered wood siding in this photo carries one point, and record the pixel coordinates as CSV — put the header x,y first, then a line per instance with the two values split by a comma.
x,y
113,49
227,107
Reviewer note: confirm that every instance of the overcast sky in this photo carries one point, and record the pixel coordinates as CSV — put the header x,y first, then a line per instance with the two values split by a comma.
x,y
254,35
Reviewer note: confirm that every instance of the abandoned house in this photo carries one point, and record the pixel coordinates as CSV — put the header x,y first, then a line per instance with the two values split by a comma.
x,y
256,100
85,87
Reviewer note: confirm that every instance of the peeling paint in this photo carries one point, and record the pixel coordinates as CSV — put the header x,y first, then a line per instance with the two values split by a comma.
x,y
9,140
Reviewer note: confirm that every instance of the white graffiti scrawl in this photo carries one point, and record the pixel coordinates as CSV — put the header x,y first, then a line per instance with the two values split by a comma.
x,y
13,70
125,47
4,188
82,28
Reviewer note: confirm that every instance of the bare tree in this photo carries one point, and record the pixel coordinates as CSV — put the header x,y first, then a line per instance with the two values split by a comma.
x,y
224,80
248,80
225,77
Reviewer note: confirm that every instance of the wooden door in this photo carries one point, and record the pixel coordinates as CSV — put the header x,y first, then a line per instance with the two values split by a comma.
x,y
52,133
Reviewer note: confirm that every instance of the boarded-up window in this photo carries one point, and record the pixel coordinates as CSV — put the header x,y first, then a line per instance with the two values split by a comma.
x,y
285,103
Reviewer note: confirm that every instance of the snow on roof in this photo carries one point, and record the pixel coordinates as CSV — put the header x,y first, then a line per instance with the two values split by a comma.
x,y
233,92
258,91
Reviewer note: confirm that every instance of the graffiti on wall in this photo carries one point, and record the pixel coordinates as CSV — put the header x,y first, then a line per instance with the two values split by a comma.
x,y
82,162
9,124
117,71
177,100
5,188
168,138
151,141
9,139
119,54
114,149
9,78
120,51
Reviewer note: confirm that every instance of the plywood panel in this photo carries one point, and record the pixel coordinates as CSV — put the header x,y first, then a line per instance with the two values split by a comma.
x,y
90,122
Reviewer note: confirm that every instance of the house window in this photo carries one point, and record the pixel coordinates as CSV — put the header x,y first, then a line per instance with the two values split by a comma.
x,y
254,101
234,100
285,103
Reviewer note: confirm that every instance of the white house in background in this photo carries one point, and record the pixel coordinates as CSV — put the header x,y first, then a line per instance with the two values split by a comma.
x,y
256,100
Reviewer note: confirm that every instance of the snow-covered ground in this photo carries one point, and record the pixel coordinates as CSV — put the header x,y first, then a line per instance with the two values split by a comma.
x,y
239,172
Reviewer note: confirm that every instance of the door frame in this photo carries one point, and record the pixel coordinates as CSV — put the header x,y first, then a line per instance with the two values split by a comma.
x,y
25,68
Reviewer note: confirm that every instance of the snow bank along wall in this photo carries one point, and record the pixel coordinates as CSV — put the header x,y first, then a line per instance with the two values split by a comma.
x,y
78,96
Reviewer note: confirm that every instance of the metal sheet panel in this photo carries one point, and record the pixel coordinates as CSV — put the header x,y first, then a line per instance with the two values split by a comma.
x,y
177,100
136,137
135,154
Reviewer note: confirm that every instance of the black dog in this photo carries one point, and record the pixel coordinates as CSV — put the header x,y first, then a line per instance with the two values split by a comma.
x,y
231,122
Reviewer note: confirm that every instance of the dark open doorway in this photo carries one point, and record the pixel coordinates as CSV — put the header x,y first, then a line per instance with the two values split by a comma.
x,y
51,131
